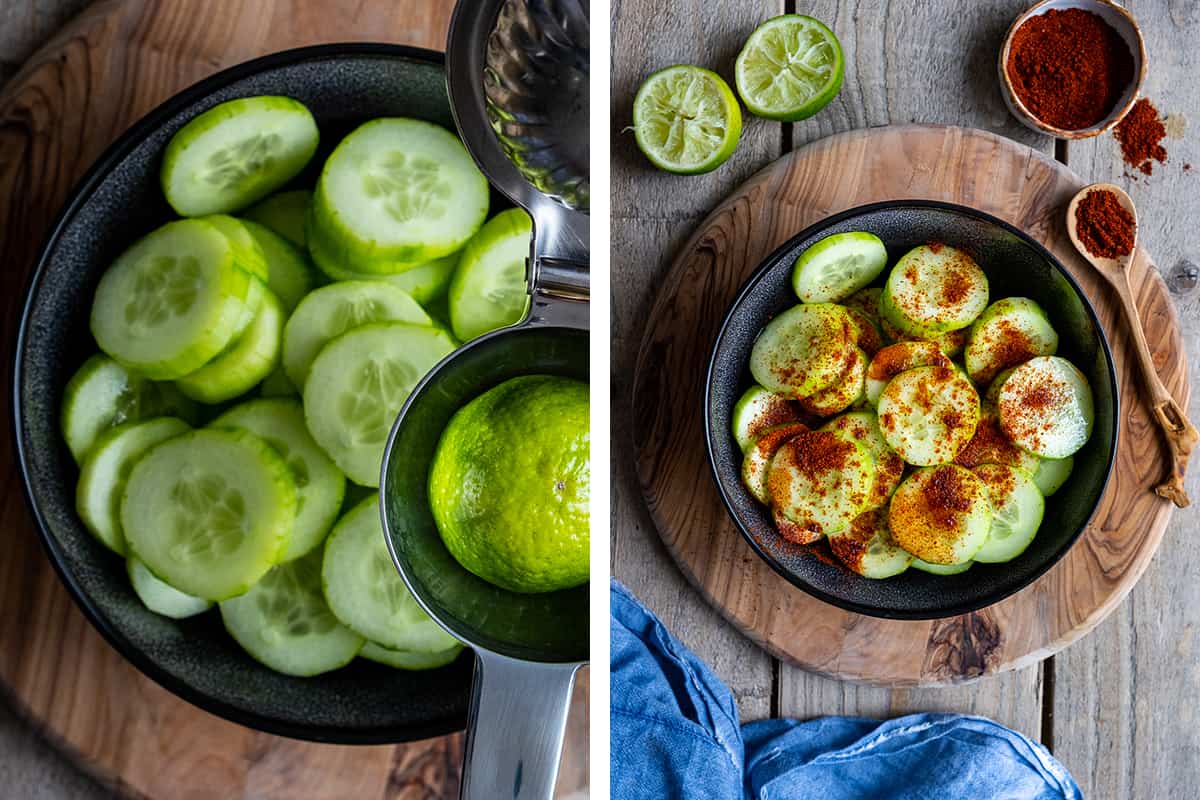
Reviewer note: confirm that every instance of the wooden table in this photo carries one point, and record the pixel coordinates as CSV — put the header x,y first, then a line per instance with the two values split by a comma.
x,y
1119,707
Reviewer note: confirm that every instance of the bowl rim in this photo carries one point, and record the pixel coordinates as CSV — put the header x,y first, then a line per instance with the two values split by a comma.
x,y
1028,118
82,191
760,273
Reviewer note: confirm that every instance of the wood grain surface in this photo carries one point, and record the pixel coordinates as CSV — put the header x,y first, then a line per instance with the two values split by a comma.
x,y
958,165
98,75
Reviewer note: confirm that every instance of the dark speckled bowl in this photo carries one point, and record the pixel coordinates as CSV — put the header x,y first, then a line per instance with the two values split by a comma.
x,y
118,201
1015,265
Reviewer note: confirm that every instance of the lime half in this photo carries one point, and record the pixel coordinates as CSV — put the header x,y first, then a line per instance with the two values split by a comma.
x,y
790,68
686,120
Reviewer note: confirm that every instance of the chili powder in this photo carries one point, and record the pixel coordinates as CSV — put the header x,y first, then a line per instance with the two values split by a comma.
x,y
1141,134
1069,67
1104,227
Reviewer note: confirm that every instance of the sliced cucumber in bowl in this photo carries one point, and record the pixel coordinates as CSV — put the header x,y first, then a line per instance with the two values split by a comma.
x,y
838,266
489,289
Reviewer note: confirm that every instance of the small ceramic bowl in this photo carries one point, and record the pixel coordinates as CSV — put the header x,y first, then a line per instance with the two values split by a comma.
x,y
1122,22
1016,265
116,202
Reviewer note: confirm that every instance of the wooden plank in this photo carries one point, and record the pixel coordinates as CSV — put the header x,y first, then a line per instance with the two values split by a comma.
x,y
1125,716
911,62
652,213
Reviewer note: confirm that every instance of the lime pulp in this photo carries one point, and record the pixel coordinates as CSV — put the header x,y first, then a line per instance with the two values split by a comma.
x,y
686,120
790,68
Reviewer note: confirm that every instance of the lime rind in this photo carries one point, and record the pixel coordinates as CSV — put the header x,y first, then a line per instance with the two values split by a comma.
x,y
790,68
686,120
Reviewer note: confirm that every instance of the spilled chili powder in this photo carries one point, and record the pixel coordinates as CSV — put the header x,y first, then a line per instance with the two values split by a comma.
x,y
1069,67
1141,134
1105,228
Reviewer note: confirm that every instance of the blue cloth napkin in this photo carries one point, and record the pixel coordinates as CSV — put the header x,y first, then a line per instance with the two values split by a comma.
x,y
675,734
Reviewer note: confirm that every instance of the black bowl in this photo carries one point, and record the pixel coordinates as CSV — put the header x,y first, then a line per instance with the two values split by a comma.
x,y
118,201
1015,265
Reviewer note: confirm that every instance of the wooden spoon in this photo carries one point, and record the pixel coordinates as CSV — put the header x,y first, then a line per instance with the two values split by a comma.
x,y
1181,435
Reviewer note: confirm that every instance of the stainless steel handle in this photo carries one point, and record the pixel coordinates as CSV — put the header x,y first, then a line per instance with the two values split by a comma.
x,y
515,731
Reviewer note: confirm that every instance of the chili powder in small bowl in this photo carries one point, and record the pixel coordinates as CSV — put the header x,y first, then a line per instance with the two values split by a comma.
x,y
1072,68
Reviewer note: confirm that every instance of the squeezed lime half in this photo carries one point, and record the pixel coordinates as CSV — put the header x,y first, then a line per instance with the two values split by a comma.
x,y
790,68
686,120
510,484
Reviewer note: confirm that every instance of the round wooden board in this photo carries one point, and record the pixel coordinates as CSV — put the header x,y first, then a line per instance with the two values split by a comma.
x,y
973,168
103,72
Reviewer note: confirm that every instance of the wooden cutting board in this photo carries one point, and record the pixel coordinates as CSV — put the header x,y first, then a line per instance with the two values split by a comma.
x,y
100,74
958,165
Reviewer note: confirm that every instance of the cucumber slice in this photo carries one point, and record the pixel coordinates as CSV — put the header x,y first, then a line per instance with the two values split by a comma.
x,y
426,283
102,394
928,414
941,569
209,512
398,190
106,470
289,275
489,289
320,486
285,213
838,266
1010,332
794,532
868,548
406,659
803,350
757,463
866,302
951,342
934,289
848,389
862,427
284,622
1017,508
246,251
366,592
251,358
821,480
992,396
757,410
162,598
237,153
357,386
989,445
900,357
1052,473
172,301
277,384
1046,407
866,335
941,514
332,310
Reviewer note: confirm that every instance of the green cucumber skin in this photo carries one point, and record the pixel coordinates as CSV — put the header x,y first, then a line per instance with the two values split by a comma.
x,y
289,274
245,364
285,213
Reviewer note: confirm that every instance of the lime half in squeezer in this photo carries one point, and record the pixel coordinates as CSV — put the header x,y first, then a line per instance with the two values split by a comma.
x,y
790,68
686,120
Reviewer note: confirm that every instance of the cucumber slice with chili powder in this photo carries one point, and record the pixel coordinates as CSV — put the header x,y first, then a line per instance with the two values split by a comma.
x,y
990,445
102,394
1017,509
928,414
896,358
992,396
867,547
757,410
838,266
173,300
757,463
1052,473
237,153
1010,332
941,514
934,289
848,389
821,480
866,302
794,532
866,334
803,350
951,342
862,427
1046,407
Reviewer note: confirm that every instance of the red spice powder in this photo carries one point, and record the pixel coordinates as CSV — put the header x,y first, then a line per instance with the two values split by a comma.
x,y
1069,67
946,496
1141,134
1104,227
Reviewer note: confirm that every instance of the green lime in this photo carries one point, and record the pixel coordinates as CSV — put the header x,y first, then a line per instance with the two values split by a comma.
x,y
789,68
686,120
510,484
